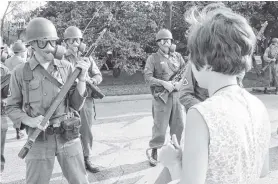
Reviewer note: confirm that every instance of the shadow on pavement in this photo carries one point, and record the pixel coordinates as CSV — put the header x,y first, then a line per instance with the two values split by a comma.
x,y
119,171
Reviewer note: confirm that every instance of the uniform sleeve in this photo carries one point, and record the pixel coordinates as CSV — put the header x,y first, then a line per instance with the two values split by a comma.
x,y
75,98
148,73
4,70
187,97
182,62
15,100
95,72
266,58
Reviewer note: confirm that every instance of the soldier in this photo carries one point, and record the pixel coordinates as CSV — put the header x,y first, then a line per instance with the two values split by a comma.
x,y
192,93
270,56
20,52
160,66
4,119
33,86
4,54
73,39
20,56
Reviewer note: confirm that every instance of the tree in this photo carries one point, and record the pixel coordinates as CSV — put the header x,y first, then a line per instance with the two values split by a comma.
x,y
131,32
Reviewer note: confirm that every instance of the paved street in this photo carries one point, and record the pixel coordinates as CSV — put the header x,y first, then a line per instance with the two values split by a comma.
x,y
121,135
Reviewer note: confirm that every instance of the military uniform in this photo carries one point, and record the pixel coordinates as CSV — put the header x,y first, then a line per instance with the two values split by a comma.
x,y
159,67
40,159
191,93
4,118
87,112
13,61
272,71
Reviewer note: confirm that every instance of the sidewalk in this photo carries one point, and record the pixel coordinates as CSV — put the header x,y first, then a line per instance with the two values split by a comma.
x,y
121,135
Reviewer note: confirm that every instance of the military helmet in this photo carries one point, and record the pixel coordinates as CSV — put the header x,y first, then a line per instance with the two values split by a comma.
x,y
19,46
163,34
40,29
274,40
72,32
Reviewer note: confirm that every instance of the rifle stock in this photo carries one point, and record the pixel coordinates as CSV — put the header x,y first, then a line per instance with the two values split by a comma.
x,y
59,98
95,90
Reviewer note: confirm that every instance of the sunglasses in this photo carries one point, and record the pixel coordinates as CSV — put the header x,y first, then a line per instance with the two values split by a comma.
x,y
77,40
43,43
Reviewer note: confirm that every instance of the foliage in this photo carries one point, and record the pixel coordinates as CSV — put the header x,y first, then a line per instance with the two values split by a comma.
x,y
131,32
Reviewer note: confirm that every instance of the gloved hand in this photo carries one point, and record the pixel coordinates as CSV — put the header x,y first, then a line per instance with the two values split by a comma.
x,y
168,86
84,64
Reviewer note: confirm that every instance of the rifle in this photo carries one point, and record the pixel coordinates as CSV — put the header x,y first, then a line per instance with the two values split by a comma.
x,y
59,98
164,95
95,90
5,80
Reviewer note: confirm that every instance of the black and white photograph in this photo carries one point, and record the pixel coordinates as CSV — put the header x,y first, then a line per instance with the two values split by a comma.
x,y
139,92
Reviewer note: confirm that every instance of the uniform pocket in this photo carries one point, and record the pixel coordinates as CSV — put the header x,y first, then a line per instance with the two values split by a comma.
x,y
34,91
72,148
158,105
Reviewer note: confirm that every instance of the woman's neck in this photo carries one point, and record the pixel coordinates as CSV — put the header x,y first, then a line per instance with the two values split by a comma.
x,y
219,81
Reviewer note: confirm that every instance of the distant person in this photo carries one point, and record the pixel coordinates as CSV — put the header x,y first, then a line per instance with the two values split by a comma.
x,y
160,66
19,57
271,57
227,136
4,118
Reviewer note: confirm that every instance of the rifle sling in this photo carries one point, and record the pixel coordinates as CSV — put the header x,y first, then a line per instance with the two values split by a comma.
x,y
5,81
156,57
50,77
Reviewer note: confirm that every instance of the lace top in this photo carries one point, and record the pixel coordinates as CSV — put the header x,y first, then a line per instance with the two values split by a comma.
x,y
239,130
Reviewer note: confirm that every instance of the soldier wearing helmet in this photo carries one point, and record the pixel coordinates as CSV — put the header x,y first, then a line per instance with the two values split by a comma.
x,y
20,56
271,57
75,47
33,86
160,66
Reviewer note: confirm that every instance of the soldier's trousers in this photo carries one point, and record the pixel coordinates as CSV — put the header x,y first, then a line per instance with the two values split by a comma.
x,y
170,114
4,129
87,116
40,160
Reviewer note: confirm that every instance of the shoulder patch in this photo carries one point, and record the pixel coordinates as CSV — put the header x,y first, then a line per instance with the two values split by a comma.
x,y
185,82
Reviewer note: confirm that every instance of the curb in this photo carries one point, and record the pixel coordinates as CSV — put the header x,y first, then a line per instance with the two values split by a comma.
x,y
122,98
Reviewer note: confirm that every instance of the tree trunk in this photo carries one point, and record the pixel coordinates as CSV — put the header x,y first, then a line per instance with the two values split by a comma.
x,y
3,19
168,20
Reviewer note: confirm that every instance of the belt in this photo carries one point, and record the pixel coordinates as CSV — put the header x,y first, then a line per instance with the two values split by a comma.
x,y
50,130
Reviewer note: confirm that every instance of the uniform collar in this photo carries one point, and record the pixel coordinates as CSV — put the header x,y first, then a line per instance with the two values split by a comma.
x,y
34,63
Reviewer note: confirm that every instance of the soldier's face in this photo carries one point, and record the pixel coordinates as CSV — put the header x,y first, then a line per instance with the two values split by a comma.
x,y
73,43
46,51
164,45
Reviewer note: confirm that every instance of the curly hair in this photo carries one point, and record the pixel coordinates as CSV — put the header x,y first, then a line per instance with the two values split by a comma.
x,y
220,39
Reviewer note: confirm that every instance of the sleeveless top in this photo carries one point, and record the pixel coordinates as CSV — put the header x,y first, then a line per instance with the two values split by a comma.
x,y
239,132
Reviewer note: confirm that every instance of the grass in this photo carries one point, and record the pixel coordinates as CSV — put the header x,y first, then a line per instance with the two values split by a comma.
x,y
135,84
131,89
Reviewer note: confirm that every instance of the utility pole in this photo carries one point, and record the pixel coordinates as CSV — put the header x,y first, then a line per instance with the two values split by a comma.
x,y
168,20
